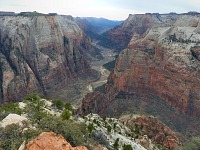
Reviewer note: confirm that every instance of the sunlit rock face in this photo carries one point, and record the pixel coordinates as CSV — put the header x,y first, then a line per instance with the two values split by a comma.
x,y
51,141
136,25
39,54
163,61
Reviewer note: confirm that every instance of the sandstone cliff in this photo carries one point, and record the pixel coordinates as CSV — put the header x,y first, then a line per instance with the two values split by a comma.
x,y
159,69
49,140
136,25
39,54
164,63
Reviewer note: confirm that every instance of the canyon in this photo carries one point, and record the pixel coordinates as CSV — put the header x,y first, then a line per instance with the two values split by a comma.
x,y
156,69
157,73
41,53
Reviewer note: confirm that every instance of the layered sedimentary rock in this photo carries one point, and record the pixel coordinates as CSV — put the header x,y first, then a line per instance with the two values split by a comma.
x,y
136,25
39,54
50,141
163,62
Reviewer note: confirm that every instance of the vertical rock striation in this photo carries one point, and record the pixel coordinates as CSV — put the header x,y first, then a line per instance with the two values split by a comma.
x,y
39,54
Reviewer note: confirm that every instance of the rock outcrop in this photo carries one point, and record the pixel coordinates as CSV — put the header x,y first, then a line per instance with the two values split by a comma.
x,y
154,129
40,54
12,119
50,141
159,69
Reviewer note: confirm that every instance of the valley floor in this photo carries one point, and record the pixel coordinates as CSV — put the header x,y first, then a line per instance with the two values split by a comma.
x,y
80,87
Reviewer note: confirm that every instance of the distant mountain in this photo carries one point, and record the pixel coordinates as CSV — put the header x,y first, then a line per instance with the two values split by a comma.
x,y
101,25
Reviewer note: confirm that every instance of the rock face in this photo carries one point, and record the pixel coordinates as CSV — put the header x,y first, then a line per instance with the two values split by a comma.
x,y
160,65
154,129
39,54
12,119
135,25
163,62
49,140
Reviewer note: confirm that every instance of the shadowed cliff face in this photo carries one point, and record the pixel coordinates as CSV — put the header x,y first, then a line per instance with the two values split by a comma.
x,y
163,62
136,25
39,54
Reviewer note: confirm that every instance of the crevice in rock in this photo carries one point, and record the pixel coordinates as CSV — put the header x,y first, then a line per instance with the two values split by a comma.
x,y
1,82
195,54
36,74
5,50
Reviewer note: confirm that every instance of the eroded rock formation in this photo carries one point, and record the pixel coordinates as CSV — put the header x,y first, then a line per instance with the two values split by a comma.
x,y
50,141
39,54
163,62
154,129
135,25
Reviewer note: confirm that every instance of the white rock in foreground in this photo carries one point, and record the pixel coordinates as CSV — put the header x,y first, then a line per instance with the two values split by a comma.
x,y
12,118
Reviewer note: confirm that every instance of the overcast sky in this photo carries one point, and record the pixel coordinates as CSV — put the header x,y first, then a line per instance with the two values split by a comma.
x,y
111,9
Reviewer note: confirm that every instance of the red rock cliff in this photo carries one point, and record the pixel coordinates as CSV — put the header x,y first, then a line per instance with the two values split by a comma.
x,y
135,25
163,62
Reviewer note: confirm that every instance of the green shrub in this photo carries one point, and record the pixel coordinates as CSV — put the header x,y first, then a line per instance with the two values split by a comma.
x,y
34,107
95,121
109,128
31,97
69,107
66,114
116,144
73,132
194,144
12,136
58,104
127,147
10,108
90,127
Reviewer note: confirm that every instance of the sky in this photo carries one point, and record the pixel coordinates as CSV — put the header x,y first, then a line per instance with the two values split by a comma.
x,y
110,9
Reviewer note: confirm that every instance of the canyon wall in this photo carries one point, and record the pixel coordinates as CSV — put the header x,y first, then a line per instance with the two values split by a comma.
x,y
134,25
40,54
163,61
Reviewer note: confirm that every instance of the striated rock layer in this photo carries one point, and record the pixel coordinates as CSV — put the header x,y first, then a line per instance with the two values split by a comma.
x,y
49,140
135,25
39,54
162,64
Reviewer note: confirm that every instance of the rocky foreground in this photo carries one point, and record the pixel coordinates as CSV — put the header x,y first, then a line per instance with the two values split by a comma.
x,y
45,124
50,141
